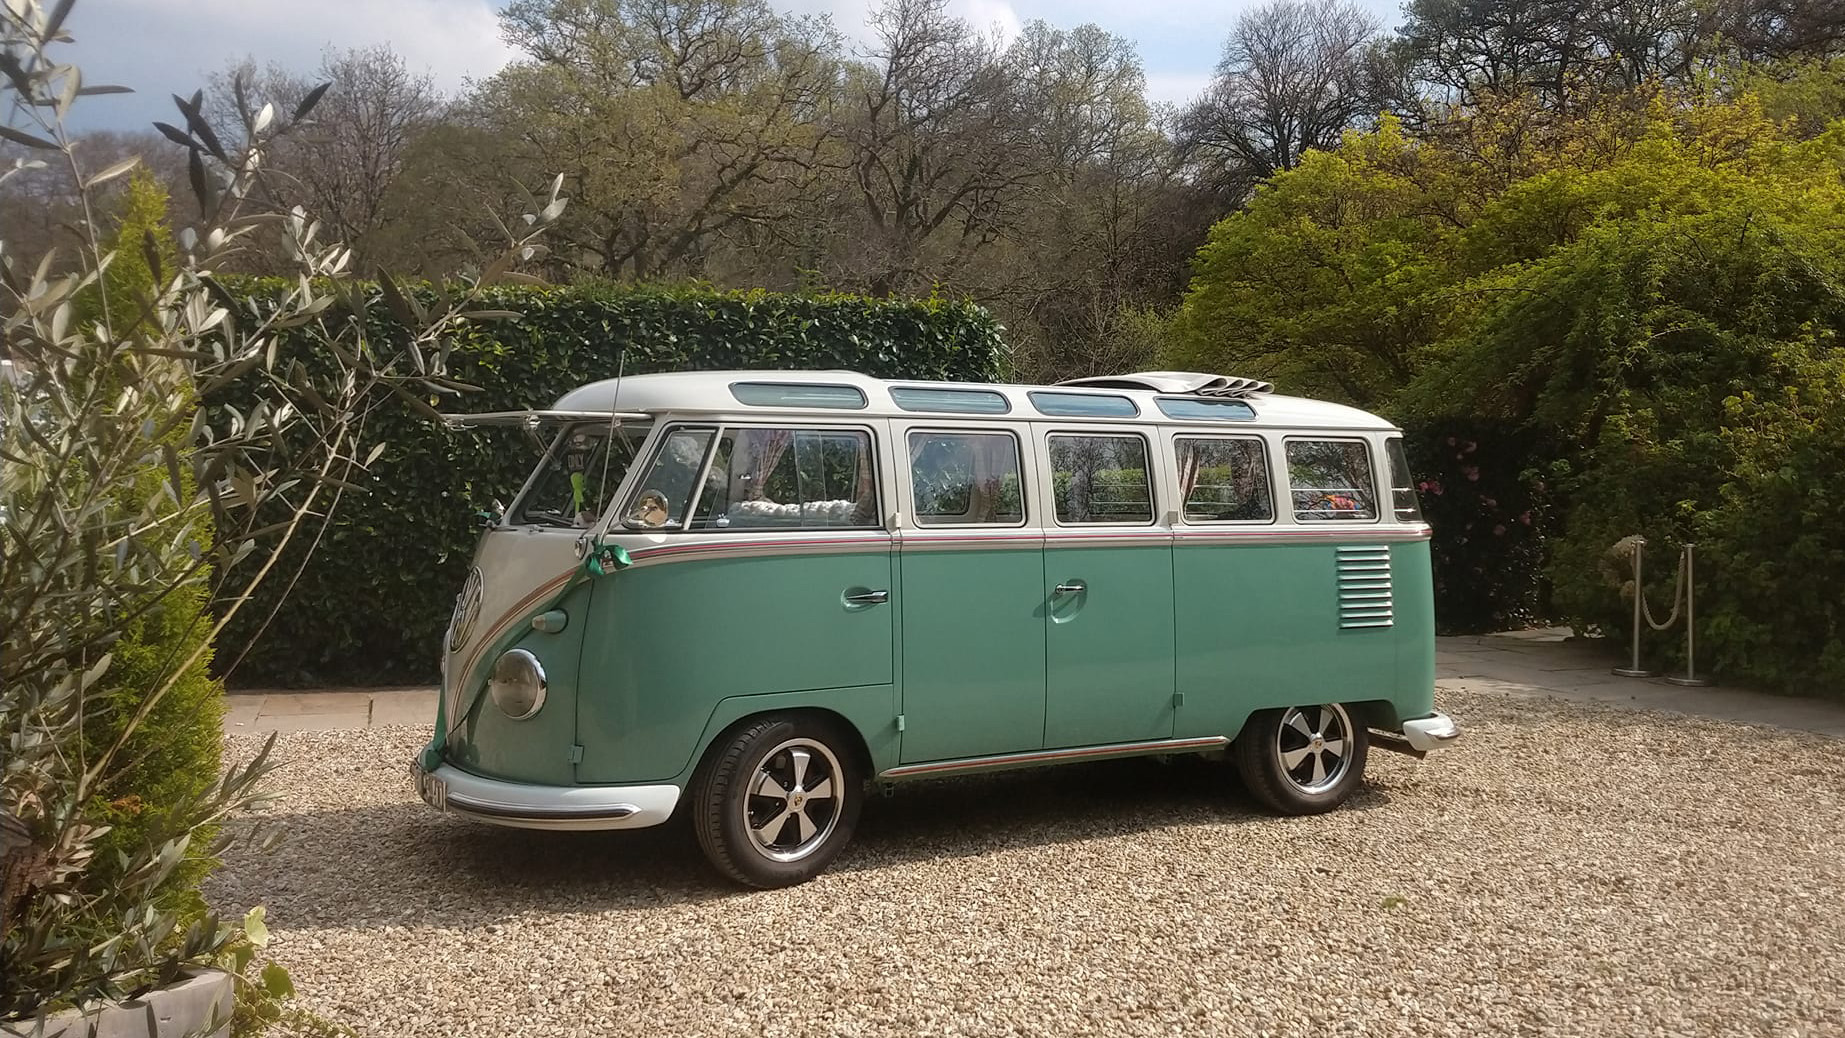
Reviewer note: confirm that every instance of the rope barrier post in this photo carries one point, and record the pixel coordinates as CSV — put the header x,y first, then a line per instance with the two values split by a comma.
x,y
1636,670
1691,622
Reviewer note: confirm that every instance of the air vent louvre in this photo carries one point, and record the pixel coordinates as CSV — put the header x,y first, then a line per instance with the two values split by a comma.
x,y
1364,587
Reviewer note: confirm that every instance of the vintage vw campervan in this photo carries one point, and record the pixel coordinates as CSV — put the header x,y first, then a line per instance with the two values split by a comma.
x,y
753,596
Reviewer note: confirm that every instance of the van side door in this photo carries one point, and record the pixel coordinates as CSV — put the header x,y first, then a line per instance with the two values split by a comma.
x,y
970,590
1108,587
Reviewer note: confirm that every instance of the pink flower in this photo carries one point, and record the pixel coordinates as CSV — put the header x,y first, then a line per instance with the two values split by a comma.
x,y
1451,441
1499,530
1526,518
1472,472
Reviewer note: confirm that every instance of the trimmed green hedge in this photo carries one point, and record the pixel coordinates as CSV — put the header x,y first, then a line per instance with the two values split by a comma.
x,y
373,603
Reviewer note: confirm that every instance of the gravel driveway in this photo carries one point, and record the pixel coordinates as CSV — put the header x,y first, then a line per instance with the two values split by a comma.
x,y
1567,870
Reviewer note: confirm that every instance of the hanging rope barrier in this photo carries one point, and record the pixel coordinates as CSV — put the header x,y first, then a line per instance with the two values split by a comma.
x,y
1682,590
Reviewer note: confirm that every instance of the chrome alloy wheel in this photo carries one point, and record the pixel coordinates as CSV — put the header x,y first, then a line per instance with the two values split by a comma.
x,y
1314,746
793,801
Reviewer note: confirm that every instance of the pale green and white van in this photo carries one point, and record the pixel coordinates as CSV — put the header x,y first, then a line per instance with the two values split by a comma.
x,y
753,597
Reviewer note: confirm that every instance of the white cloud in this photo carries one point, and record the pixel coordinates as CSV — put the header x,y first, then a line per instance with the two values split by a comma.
x,y
990,17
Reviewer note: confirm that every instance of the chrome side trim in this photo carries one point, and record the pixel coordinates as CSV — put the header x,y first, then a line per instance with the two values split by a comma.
x,y
1432,732
672,547
1025,760
525,806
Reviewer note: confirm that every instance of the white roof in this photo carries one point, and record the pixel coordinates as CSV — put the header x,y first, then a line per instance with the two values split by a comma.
x,y
710,392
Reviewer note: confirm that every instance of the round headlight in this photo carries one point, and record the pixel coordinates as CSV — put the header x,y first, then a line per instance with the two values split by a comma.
x,y
518,684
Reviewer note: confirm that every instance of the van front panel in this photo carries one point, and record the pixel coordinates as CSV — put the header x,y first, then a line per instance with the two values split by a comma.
x,y
517,571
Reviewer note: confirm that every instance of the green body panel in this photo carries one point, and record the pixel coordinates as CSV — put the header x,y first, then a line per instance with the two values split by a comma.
x,y
871,711
1412,574
536,749
1108,657
1258,627
663,644
973,651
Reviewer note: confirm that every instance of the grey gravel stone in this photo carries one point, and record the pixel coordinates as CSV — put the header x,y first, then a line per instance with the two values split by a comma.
x,y
1567,869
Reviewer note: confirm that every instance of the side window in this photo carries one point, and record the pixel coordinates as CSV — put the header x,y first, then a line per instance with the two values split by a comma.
x,y
1223,479
1402,486
1331,480
1100,479
965,478
661,501
778,479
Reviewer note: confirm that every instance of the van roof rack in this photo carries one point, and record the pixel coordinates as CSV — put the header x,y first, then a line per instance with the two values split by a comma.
x,y
1188,383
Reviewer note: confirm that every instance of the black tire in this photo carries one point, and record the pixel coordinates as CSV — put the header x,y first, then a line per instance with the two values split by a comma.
x,y
1272,737
812,817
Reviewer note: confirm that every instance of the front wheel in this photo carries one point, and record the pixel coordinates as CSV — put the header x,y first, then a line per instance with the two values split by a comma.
x,y
776,801
1302,760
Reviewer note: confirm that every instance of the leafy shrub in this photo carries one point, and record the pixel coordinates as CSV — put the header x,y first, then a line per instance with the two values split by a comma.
x,y
113,474
373,608
173,756
1481,489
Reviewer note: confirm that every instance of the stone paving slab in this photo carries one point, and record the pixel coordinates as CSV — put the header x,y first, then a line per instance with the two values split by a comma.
x,y
1538,663
297,711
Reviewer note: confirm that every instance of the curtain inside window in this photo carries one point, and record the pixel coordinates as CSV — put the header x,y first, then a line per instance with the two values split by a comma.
x,y
753,458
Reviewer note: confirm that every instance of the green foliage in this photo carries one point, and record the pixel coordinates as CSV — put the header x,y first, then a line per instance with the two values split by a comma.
x,y
1481,489
373,607
1637,324
173,756
125,508
263,1002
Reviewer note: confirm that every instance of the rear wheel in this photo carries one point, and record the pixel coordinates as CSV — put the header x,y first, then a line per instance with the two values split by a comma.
x,y
776,802
1302,760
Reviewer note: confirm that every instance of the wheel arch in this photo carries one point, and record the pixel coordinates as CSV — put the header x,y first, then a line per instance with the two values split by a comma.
x,y
862,718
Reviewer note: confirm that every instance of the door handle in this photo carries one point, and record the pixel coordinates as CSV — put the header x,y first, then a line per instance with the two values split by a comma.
x,y
868,598
1071,589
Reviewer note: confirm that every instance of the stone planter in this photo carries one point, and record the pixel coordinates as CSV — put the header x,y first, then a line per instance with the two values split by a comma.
x,y
184,1010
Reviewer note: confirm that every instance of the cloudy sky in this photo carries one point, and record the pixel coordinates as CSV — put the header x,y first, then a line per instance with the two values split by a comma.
x,y
162,47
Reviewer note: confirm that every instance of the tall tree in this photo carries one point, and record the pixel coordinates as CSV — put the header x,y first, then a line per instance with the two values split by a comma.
x,y
678,123
1295,75
935,143
344,164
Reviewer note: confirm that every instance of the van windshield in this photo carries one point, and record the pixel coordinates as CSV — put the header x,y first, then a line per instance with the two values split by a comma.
x,y
578,475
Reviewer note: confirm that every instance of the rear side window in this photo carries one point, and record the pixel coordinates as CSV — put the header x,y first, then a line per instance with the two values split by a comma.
x,y
1331,480
966,479
1402,486
1100,479
1223,479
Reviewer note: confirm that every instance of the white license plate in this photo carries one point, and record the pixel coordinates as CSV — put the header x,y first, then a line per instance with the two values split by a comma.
x,y
433,790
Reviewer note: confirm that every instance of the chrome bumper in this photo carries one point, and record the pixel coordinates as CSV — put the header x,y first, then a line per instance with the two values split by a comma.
x,y
525,806
1431,733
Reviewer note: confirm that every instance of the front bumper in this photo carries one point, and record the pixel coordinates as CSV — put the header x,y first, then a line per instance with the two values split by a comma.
x,y
525,806
1431,733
